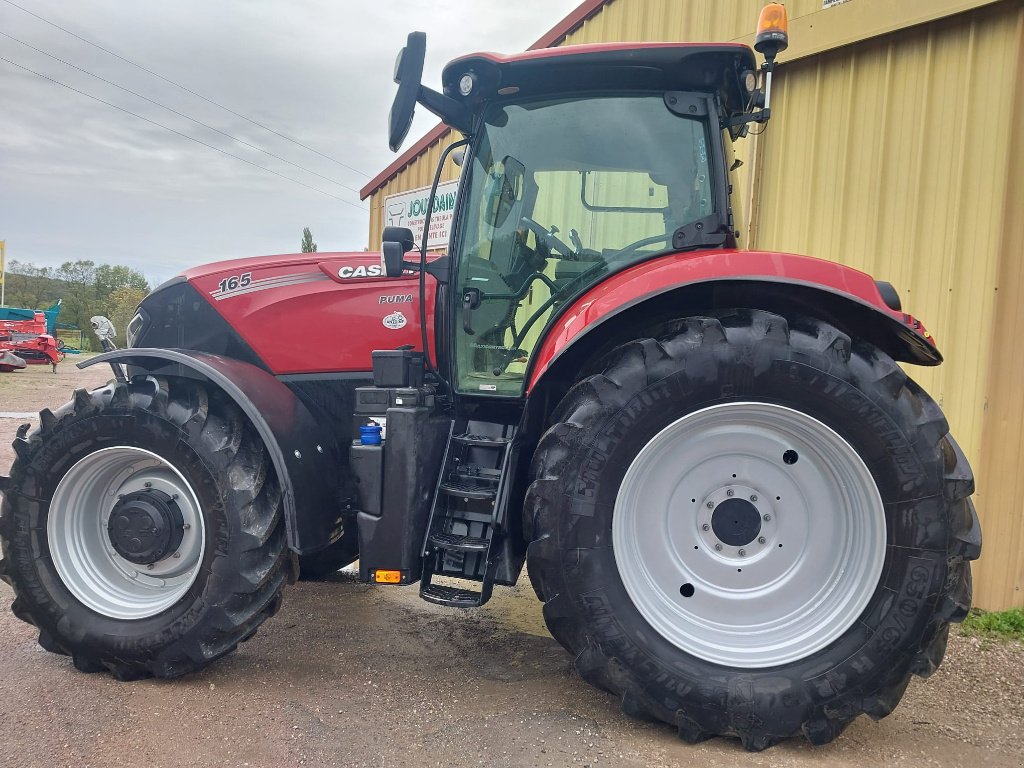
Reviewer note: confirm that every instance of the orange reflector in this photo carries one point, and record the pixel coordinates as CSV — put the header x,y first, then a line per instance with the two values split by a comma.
x,y
387,577
772,28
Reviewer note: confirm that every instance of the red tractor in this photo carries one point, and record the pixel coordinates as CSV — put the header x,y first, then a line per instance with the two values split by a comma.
x,y
743,518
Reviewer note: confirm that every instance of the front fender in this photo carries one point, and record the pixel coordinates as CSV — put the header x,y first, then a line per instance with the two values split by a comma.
x,y
303,452
701,282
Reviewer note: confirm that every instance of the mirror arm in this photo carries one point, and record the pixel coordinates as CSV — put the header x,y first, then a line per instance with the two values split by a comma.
x,y
454,113
440,268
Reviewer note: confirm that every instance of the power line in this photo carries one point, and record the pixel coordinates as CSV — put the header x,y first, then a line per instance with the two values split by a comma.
x,y
186,89
183,135
180,114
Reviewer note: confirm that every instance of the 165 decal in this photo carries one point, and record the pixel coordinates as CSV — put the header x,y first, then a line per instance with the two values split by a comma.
x,y
235,282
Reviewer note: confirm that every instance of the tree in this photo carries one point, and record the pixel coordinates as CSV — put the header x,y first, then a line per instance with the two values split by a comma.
x,y
78,279
110,278
120,308
77,273
29,286
308,246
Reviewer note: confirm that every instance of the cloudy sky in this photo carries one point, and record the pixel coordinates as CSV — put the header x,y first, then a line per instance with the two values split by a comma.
x,y
83,180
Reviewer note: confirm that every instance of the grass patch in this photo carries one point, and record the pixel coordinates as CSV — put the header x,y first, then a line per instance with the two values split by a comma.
x,y
1004,625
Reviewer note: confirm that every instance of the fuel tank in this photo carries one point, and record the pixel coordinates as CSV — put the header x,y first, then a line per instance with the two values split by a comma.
x,y
290,314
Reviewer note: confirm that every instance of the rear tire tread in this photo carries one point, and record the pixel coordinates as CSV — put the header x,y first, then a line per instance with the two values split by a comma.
x,y
626,373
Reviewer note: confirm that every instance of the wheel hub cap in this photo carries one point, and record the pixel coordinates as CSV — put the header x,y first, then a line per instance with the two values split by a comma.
x,y
145,526
736,522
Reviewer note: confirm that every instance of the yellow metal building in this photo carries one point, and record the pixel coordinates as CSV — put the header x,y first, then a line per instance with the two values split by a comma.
x,y
896,146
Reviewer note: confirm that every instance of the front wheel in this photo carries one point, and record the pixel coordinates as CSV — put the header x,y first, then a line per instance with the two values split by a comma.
x,y
142,530
751,528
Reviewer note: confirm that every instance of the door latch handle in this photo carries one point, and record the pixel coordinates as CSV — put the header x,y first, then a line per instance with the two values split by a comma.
x,y
470,301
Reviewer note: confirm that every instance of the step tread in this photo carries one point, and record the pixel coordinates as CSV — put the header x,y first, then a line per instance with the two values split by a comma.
x,y
468,490
451,596
481,440
475,472
458,542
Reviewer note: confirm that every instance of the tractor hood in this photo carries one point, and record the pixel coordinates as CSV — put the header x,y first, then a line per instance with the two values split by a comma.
x,y
280,260
290,314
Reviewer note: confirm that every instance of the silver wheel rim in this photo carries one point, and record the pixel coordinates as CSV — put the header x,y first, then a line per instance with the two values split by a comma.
x,y
81,549
801,581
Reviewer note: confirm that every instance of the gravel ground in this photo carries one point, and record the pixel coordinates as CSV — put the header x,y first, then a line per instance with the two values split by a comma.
x,y
353,675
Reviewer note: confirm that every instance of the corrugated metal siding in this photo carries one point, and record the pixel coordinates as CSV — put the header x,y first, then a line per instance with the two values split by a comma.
x,y
999,576
902,155
891,156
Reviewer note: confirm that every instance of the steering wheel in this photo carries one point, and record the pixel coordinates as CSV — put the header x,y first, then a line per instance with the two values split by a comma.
x,y
547,238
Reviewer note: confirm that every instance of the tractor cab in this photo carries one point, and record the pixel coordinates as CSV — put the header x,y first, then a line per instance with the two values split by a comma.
x,y
581,162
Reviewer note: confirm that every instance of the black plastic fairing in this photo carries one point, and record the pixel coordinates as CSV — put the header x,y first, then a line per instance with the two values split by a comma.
x,y
176,316
707,68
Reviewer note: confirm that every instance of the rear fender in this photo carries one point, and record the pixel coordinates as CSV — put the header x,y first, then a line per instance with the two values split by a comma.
x,y
304,453
681,285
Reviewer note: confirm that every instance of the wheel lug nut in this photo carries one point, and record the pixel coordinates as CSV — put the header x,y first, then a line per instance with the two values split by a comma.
x,y
754,497
767,518
718,547
705,527
761,539
730,492
148,484
149,567
177,554
742,553
186,526
711,505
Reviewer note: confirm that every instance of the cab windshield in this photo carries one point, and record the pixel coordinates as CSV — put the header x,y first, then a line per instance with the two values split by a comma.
x,y
560,193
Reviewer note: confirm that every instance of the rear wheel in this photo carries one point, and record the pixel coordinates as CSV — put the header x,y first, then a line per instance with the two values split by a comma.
x,y
142,530
751,529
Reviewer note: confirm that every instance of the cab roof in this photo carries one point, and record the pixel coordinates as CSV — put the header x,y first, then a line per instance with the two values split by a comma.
x,y
606,66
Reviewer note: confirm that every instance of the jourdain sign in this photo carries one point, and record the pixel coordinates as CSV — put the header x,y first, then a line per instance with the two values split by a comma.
x,y
409,209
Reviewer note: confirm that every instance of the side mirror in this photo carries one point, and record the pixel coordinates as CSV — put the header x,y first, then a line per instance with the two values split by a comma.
x,y
401,235
397,241
408,74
